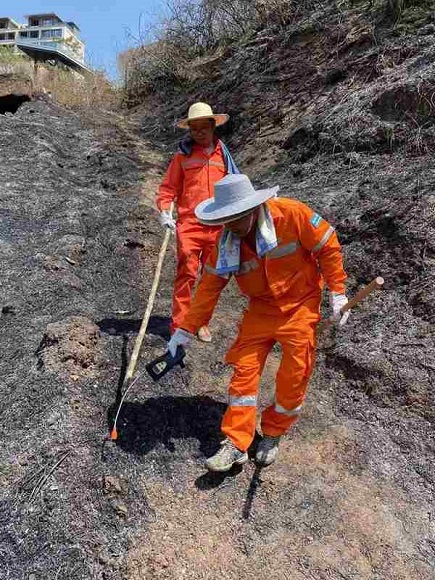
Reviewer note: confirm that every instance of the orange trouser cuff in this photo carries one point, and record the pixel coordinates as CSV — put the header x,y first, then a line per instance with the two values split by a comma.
x,y
276,424
237,424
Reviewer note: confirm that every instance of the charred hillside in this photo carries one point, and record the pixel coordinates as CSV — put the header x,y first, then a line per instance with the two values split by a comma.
x,y
334,103
336,106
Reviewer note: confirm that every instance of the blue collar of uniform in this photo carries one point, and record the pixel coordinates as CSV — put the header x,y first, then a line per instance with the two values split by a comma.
x,y
185,146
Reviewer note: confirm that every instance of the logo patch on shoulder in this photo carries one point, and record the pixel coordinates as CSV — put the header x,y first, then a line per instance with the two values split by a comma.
x,y
315,220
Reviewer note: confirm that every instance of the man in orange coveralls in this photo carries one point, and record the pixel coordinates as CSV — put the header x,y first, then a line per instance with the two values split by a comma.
x,y
279,251
202,160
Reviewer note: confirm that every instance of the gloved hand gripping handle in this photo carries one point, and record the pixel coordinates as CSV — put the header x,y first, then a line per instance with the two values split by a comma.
x,y
359,296
363,293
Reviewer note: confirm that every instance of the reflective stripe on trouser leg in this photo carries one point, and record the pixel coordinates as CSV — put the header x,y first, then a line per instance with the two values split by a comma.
x,y
288,412
245,401
247,355
291,382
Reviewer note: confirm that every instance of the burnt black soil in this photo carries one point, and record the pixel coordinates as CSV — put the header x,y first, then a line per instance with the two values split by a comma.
x,y
352,494
65,266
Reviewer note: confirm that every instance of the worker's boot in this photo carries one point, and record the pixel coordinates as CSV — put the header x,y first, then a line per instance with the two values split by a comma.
x,y
204,334
267,450
227,456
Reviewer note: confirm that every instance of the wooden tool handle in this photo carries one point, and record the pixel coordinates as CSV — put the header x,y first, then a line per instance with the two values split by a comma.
x,y
132,364
363,293
360,295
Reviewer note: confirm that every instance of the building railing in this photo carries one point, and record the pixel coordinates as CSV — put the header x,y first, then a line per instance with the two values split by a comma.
x,y
18,35
60,46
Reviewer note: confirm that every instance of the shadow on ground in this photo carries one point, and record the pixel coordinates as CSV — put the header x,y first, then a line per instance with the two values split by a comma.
x,y
142,426
158,325
211,480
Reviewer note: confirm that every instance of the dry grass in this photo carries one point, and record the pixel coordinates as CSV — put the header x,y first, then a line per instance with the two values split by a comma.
x,y
194,30
72,90
67,87
8,56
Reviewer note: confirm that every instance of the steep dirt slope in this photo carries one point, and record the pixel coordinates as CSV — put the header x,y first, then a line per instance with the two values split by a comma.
x,y
338,112
331,81
66,264
352,494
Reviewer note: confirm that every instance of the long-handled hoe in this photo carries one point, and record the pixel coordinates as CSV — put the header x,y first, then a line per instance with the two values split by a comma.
x,y
128,383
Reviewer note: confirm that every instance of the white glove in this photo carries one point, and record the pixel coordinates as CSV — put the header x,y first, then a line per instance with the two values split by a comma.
x,y
336,302
166,219
179,338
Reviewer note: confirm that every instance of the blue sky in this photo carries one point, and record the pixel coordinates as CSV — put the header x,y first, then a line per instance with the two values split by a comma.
x,y
107,26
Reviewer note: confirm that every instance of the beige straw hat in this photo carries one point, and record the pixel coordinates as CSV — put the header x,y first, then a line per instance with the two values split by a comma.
x,y
201,111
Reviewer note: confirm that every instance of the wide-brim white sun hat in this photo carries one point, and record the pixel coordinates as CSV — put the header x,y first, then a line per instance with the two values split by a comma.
x,y
201,111
234,197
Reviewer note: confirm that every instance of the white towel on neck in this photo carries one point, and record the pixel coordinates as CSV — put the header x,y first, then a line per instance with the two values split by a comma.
x,y
229,244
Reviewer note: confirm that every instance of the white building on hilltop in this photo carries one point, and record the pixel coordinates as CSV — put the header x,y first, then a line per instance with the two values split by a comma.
x,y
45,36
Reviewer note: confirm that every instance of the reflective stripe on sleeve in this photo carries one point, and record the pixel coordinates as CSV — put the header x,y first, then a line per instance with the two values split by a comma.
x,y
248,266
288,412
194,162
323,241
246,401
214,272
217,164
284,250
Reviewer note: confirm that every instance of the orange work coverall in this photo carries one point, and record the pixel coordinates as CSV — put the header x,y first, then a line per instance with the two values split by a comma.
x,y
284,288
189,180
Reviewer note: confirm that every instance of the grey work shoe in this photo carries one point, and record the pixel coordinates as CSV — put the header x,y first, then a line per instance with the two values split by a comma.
x,y
267,450
227,456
